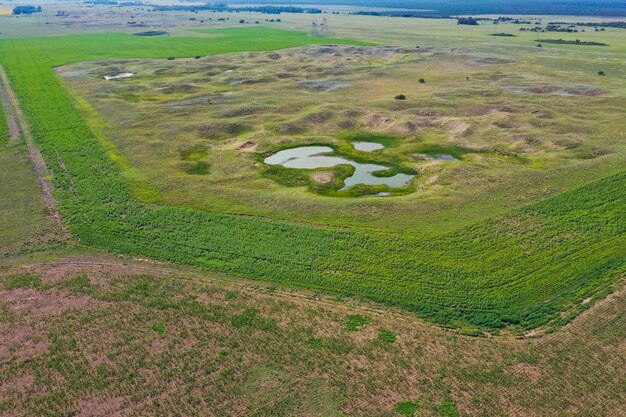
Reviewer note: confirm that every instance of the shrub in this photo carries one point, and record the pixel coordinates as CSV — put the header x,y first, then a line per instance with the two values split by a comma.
x,y
355,322
159,328
448,408
386,336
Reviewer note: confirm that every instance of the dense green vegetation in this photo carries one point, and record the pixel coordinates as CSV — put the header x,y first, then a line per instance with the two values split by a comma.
x,y
26,10
4,129
23,224
572,42
522,269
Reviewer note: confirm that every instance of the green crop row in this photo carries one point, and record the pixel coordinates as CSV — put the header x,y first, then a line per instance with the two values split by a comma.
x,y
521,269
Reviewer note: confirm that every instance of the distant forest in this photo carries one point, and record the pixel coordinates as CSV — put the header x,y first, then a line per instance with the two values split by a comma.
x,y
440,8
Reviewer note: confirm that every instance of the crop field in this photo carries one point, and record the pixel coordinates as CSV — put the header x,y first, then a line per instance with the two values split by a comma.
x,y
114,336
24,222
530,267
179,234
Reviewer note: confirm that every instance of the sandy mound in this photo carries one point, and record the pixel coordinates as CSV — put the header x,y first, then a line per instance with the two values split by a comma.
x,y
378,122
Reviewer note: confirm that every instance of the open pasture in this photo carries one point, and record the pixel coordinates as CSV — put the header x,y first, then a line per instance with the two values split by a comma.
x,y
198,130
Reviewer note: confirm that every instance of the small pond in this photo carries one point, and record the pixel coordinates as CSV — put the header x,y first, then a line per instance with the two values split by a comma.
x,y
121,75
313,157
444,158
367,146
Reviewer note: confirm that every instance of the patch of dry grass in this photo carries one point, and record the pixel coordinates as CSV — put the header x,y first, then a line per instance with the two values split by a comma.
x,y
224,347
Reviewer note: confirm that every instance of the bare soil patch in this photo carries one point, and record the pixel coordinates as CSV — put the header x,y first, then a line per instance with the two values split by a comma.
x,y
21,342
102,407
579,90
248,147
485,59
201,356
323,177
39,303
18,384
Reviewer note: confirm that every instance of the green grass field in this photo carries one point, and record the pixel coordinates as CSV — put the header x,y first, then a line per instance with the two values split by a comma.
x,y
197,280
531,267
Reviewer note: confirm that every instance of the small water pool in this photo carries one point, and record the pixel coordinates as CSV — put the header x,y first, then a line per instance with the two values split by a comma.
x,y
314,157
121,75
444,158
367,146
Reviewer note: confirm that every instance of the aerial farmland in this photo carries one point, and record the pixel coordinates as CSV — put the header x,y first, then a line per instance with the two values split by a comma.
x,y
312,209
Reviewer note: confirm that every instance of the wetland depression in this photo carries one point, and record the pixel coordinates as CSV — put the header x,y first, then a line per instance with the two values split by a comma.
x,y
315,157
499,139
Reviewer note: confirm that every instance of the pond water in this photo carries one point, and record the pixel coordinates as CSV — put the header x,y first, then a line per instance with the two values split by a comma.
x,y
367,146
313,157
122,75
444,158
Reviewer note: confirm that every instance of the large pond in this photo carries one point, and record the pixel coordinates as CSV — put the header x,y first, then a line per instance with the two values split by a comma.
x,y
313,157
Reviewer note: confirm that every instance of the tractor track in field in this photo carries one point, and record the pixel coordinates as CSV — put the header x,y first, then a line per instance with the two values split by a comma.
x,y
133,266
19,128
95,264
14,129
